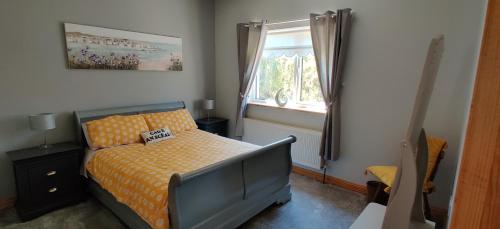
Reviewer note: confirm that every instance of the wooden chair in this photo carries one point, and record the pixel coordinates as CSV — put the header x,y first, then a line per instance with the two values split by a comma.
x,y
378,191
405,205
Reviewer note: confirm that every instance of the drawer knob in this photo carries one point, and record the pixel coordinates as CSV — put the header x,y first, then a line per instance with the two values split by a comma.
x,y
53,189
51,173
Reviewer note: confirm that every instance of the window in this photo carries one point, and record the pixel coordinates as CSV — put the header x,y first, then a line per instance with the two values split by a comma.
x,y
288,63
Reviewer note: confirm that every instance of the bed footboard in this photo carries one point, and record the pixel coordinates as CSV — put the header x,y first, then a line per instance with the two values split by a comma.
x,y
228,193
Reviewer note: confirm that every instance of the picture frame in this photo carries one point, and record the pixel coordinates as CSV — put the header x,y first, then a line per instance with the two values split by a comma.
x,y
90,47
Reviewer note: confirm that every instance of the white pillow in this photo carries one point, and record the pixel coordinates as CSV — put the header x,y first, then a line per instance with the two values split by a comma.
x,y
157,135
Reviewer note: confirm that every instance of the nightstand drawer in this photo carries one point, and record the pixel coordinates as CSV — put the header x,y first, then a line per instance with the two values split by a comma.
x,y
53,178
58,169
51,193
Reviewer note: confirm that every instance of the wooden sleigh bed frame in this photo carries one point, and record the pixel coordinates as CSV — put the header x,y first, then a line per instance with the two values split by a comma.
x,y
223,195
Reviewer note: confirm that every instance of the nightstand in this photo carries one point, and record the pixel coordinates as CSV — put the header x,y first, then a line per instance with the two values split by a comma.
x,y
47,179
213,125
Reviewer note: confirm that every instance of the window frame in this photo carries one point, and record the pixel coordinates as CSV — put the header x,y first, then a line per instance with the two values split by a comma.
x,y
296,104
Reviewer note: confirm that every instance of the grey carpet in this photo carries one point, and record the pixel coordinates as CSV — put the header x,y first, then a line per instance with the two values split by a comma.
x,y
313,205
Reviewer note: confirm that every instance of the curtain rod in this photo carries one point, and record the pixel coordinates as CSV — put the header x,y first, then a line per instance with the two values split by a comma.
x,y
292,21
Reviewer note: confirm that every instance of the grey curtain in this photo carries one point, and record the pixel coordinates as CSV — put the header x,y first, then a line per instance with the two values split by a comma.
x,y
251,39
330,35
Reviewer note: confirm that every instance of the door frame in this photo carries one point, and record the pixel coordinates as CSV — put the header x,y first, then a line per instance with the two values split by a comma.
x,y
476,201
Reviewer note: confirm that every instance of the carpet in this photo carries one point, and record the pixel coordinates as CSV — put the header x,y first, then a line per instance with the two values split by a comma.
x,y
86,215
313,205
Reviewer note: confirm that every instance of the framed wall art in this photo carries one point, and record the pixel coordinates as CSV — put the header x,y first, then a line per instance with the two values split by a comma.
x,y
92,47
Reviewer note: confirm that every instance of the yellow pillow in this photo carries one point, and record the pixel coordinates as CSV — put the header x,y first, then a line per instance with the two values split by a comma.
x,y
116,130
435,146
386,174
177,121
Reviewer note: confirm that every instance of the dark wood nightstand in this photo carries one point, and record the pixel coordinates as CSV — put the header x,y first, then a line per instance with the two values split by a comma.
x,y
213,125
47,179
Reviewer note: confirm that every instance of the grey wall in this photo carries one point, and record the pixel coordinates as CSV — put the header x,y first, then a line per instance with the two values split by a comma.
x,y
34,77
386,54
387,50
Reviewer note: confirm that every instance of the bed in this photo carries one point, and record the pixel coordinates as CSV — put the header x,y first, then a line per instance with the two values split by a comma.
x,y
223,191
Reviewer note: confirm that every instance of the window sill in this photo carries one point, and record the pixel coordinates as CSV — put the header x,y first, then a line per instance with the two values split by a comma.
x,y
290,107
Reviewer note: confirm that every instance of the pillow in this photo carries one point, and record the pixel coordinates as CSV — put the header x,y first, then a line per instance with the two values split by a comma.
x,y
387,174
158,135
177,121
116,130
86,135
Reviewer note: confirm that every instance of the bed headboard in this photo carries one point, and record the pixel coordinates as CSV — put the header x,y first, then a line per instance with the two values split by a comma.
x,y
89,115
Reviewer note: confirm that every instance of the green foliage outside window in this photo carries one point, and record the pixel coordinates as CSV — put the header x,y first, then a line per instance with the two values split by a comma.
x,y
297,75
288,64
310,89
276,73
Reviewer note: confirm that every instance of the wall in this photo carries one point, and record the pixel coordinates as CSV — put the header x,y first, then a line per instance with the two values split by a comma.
x,y
34,77
387,50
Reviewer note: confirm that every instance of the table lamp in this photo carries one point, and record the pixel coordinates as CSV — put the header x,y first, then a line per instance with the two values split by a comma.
x,y
208,104
43,122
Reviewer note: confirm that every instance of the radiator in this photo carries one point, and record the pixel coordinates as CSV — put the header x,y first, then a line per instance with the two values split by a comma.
x,y
305,152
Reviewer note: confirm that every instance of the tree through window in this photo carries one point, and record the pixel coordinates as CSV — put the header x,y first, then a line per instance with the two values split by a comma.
x,y
288,63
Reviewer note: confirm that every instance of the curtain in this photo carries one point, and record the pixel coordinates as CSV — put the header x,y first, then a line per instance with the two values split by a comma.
x,y
330,35
251,39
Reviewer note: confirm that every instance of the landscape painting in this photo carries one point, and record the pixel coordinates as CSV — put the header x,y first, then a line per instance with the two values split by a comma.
x,y
100,48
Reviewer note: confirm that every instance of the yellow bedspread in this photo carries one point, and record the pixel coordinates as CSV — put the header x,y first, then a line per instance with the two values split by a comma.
x,y
138,175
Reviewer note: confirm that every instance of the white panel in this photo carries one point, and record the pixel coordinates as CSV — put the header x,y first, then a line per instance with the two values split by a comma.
x,y
304,152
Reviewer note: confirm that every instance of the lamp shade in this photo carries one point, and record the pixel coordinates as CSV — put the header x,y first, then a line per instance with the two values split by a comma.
x,y
208,104
44,121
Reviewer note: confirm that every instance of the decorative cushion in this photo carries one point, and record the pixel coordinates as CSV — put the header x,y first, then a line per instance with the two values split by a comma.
x,y
116,130
386,174
434,146
158,135
177,121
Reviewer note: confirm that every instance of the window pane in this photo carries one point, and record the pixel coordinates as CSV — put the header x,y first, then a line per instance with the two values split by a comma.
x,y
288,38
288,63
276,73
310,90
